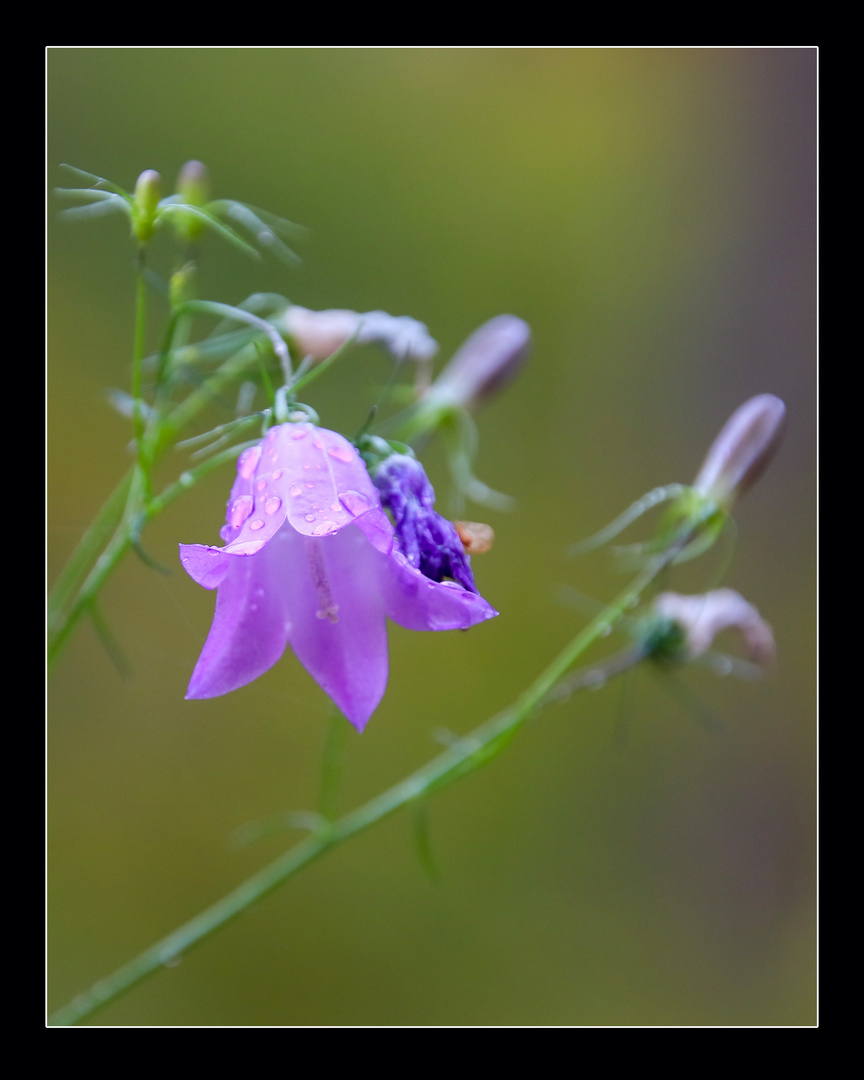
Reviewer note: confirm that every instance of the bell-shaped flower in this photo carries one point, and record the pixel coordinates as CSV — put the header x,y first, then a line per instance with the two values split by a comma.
x,y
311,560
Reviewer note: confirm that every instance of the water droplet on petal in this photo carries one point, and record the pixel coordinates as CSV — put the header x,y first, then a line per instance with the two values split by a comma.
x,y
272,504
261,485
256,524
240,510
336,507
318,444
341,453
299,433
355,503
295,490
247,462
308,484
323,527
310,517
277,475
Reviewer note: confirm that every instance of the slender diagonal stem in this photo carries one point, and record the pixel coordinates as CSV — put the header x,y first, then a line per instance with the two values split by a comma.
x,y
96,535
463,757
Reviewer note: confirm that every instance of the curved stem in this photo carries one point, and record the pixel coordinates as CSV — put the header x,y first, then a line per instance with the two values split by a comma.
x,y
463,757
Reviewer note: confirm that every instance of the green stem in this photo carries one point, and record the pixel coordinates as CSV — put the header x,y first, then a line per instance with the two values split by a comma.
x,y
463,757
211,307
138,365
331,766
96,535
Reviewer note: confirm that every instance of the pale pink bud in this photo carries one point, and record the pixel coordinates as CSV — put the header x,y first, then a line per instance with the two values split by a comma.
x,y
488,360
702,618
320,333
743,449
193,183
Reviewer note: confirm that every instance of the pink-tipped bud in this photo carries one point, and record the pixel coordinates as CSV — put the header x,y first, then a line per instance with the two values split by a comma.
x,y
489,359
702,618
320,333
147,193
743,449
193,183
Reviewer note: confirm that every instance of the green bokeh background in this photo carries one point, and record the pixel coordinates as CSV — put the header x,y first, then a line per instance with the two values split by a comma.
x,y
650,212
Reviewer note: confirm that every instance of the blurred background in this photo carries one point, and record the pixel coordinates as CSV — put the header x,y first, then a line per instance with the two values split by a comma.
x,y
643,854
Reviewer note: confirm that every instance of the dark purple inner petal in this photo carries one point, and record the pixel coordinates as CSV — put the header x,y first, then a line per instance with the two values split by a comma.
x,y
429,542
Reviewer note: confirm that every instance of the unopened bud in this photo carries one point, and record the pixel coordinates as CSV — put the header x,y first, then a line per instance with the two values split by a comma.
x,y
193,187
193,183
320,333
147,192
180,285
702,618
487,361
741,452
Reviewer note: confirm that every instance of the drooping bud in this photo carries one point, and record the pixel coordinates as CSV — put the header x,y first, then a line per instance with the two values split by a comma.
x,y
320,333
703,617
428,541
744,447
486,362
147,192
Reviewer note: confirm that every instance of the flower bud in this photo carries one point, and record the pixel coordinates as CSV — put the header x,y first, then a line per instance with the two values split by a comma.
x,y
193,187
320,333
488,360
193,183
146,202
743,449
703,617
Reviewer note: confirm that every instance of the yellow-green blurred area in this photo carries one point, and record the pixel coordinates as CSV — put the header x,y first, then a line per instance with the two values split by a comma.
x,y
642,854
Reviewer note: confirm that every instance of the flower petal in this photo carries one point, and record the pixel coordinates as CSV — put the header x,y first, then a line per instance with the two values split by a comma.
x,y
418,603
204,564
337,628
250,627
313,477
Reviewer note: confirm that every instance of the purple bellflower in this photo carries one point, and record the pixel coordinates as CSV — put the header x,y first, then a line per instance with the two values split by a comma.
x,y
428,541
312,560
